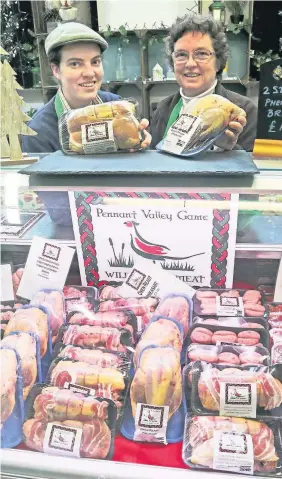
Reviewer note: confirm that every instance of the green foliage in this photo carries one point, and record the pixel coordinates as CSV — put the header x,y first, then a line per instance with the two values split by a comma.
x,y
259,58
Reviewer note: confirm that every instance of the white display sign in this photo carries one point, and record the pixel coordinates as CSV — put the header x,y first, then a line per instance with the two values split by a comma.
x,y
47,266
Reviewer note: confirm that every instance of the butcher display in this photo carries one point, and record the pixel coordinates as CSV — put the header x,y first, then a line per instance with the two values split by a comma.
x,y
269,389
107,382
198,445
30,319
228,354
25,345
205,302
96,357
55,404
162,332
8,381
157,380
53,300
176,307
203,335
95,440
94,336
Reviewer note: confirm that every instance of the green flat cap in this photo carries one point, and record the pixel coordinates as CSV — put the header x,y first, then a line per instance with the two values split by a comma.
x,y
73,32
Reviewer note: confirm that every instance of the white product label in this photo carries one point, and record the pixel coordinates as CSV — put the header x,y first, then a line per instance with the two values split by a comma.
x,y
233,452
79,389
7,291
147,279
98,137
72,304
229,306
238,397
182,135
151,423
62,440
47,266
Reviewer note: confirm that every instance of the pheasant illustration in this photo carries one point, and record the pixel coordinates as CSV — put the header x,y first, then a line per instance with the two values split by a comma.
x,y
149,250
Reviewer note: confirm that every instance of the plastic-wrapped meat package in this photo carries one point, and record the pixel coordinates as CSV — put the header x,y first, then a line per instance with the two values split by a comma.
x,y
178,307
32,319
205,302
207,383
53,301
276,335
95,336
107,383
79,298
232,322
8,380
212,334
53,409
276,353
109,292
96,357
199,443
275,315
157,380
107,319
228,354
16,278
28,349
162,332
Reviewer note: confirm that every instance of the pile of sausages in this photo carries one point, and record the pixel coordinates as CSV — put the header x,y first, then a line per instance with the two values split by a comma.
x,y
205,336
205,302
234,355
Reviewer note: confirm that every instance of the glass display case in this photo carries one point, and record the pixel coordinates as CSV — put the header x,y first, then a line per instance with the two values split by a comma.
x,y
208,232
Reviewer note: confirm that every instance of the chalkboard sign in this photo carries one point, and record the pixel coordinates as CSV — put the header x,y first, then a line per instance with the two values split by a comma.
x,y
270,101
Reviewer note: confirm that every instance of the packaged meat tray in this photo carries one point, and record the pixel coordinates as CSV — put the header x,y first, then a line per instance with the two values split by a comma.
x,y
156,389
105,382
35,319
12,405
113,339
226,443
110,290
275,314
103,128
228,354
210,381
143,308
276,353
161,331
211,334
275,335
53,301
5,315
82,296
229,302
236,321
96,356
27,345
178,307
108,319
53,414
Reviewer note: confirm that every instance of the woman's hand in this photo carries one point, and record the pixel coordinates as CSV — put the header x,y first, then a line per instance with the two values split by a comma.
x,y
148,139
230,137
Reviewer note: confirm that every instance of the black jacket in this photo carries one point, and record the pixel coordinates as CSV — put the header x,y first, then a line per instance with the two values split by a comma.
x,y
245,140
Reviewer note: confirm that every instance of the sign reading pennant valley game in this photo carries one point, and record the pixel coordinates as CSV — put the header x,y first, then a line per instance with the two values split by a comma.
x,y
193,238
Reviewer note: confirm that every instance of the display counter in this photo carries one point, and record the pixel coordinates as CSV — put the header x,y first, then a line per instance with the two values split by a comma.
x,y
219,232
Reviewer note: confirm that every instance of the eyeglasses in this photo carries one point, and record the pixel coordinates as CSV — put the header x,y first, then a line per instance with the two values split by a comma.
x,y
199,56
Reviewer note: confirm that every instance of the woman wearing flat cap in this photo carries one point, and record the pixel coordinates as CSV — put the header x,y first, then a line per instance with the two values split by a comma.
x,y
198,51
75,55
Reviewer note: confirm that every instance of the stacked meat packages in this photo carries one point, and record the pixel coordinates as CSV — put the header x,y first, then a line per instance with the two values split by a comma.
x,y
232,390
156,389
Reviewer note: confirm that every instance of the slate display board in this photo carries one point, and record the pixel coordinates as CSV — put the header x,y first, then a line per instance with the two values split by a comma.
x,y
148,163
270,101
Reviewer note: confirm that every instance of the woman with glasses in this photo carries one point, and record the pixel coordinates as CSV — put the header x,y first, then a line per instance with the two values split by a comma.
x,y
198,51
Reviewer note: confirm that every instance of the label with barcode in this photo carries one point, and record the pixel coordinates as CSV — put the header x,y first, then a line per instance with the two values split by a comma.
x,y
233,452
98,137
62,440
238,397
182,134
151,423
229,306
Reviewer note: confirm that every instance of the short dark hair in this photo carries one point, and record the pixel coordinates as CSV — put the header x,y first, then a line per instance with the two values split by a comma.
x,y
54,56
205,25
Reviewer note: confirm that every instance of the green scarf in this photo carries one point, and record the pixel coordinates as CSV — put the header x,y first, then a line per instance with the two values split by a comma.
x,y
174,116
59,106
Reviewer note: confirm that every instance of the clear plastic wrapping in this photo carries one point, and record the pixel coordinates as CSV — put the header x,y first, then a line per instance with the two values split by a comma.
x,y
231,322
110,290
228,354
103,128
55,414
12,406
27,345
178,307
208,302
79,297
200,443
53,301
212,334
